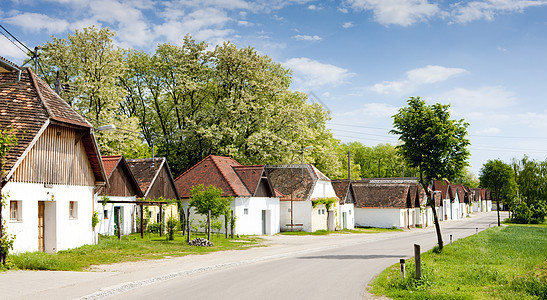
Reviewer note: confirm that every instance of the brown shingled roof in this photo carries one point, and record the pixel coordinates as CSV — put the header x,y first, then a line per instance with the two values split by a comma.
x,y
222,172
303,180
377,195
30,106
341,188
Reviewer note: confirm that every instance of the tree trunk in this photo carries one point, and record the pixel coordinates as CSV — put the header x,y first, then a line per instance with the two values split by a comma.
x,y
498,209
226,225
188,224
209,225
431,200
231,223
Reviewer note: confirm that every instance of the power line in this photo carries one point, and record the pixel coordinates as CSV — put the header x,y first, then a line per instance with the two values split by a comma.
x,y
16,45
16,38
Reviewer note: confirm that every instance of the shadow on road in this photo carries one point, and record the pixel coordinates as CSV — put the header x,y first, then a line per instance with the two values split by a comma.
x,y
370,256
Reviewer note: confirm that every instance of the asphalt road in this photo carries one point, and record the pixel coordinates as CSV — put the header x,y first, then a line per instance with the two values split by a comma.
x,y
292,267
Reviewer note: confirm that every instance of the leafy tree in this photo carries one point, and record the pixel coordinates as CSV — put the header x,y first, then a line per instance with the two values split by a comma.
x,y
432,143
531,178
89,66
467,178
205,199
498,177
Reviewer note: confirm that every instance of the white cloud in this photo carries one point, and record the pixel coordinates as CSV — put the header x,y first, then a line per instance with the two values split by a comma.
x,y
416,77
309,73
398,12
347,25
487,97
11,52
244,23
489,131
314,7
487,10
307,37
37,22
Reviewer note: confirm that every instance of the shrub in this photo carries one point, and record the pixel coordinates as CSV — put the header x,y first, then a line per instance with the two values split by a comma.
x,y
172,226
154,228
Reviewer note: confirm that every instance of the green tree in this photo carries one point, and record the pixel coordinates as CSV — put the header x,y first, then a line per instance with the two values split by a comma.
x,y
89,66
8,140
467,178
432,143
531,178
205,199
499,178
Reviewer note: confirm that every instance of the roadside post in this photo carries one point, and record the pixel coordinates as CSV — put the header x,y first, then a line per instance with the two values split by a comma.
x,y
418,261
402,262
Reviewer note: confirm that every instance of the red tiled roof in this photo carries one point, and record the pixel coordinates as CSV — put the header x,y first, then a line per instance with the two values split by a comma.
x,y
110,162
443,186
377,195
222,172
341,188
28,105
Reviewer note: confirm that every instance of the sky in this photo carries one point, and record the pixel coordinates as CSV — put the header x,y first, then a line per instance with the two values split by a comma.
x,y
361,59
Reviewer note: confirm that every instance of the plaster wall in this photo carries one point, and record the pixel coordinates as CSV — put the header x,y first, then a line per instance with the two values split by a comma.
x,y
378,217
61,232
349,211
302,214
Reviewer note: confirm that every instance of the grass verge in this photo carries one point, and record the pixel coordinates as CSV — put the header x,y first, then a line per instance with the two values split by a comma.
x,y
356,230
498,263
130,248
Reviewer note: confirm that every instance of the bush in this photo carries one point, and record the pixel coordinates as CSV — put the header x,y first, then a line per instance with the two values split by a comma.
x,y
154,228
172,226
533,213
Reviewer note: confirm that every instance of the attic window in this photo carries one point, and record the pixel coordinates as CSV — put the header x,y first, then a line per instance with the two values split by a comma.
x,y
245,211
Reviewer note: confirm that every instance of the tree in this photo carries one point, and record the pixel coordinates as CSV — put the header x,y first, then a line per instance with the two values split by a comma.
x,y
88,66
498,177
8,140
209,199
467,178
432,143
531,178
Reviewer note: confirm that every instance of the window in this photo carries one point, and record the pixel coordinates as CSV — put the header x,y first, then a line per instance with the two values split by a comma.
x,y
350,211
105,213
289,209
73,210
15,210
245,211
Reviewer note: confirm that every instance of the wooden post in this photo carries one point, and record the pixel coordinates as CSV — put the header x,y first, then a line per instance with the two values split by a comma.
x,y
118,215
226,221
450,239
209,225
231,223
418,261
142,221
402,262
161,220
188,224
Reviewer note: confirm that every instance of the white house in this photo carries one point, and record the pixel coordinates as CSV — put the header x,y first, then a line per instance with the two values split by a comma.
x,y
255,202
121,209
303,186
344,191
51,174
388,204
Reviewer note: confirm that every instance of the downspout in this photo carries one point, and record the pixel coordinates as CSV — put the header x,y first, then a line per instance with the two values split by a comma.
x,y
13,68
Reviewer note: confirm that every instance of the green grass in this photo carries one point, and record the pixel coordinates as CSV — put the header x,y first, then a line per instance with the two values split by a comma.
x,y
356,230
498,263
130,248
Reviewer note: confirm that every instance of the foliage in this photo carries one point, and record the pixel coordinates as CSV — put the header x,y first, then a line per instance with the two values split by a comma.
x,y
531,178
8,140
216,225
154,227
432,143
111,250
328,201
498,263
89,67
467,178
104,200
209,198
499,178
172,226
94,219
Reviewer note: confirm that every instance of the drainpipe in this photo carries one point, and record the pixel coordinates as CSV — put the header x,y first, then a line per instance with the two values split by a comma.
x,y
5,65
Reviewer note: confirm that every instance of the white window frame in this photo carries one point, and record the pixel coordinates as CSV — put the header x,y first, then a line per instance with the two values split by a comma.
x,y
73,210
17,217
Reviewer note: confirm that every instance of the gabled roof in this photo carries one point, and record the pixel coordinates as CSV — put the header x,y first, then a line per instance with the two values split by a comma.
x,y
342,188
304,178
29,105
378,195
444,187
146,171
225,173
111,162
460,190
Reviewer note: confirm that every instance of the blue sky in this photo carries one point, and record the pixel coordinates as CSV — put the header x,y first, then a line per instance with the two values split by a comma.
x,y
361,58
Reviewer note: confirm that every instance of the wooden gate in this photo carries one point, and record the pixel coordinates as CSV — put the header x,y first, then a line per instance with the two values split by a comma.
x,y
41,241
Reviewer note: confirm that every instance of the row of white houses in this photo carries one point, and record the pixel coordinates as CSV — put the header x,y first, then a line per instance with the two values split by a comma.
x,y
55,180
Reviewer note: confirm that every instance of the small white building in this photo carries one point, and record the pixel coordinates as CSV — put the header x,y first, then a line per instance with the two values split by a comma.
x,y
121,209
303,185
344,191
255,202
388,205
52,172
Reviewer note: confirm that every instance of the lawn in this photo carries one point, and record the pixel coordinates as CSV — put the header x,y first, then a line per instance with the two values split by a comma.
x,y
356,230
498,263
130,248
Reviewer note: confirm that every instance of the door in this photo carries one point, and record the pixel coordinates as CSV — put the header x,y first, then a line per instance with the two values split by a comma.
x,y
117,220
41,230
344,221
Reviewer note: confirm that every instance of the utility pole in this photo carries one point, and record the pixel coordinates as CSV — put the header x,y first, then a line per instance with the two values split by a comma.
x,y
349,165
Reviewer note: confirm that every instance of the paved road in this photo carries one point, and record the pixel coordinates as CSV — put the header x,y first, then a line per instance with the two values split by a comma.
x,y
292,267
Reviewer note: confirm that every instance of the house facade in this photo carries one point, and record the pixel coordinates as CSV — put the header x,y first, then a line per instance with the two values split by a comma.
x,y
302,185
344,191
255,203
155,180
52,172
120,212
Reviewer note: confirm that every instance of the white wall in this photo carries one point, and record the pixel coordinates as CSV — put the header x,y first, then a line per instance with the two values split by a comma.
x,y
128,212
319,218
301,215
378,217
61,232
250,223
349,210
